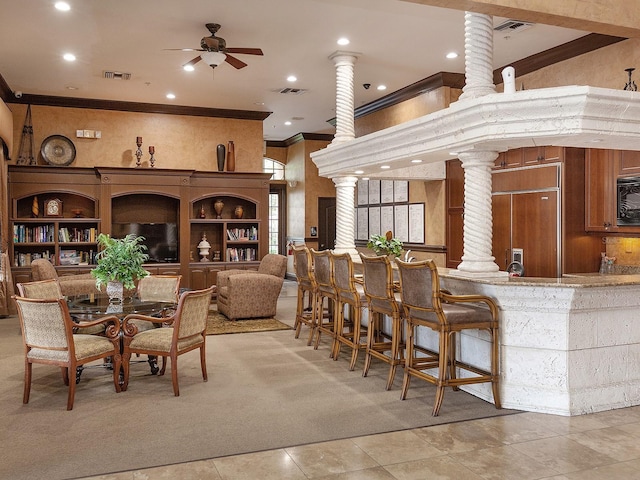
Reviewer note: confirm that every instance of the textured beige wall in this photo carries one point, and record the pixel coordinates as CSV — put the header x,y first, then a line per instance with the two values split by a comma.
x,y
296,197
415,107
601,68
315,186
180,141
611,17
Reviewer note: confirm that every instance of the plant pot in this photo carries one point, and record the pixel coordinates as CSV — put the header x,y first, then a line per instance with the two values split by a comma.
x,y
115,292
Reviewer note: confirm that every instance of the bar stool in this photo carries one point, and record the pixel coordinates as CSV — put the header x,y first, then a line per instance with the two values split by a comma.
x,y
323,271
352,294
307,286
426,305
383,300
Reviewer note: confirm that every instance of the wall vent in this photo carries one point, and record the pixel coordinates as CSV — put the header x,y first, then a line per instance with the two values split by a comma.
x,y
512,26
116,75
291,91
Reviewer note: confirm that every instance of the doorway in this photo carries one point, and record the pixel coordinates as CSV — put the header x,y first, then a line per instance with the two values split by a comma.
x,y
326,223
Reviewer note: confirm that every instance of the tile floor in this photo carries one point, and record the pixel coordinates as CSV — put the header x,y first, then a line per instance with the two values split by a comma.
x,y
523,446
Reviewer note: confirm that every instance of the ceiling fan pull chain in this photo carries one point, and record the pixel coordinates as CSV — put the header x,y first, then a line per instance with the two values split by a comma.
x,y
25,153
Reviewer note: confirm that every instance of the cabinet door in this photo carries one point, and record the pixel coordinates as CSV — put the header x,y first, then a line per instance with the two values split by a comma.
x,y
455,226
501,240
510,159
628,162
599,191
532,155
534,219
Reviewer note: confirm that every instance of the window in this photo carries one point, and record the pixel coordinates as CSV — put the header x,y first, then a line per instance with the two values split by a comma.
x,y
277,206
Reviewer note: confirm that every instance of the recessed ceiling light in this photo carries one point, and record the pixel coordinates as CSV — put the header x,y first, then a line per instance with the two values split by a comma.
x,y
385,167
452,55
455,154
171,96
62,6
596,140
287,122
416,160
189,68
69,57
343,41
382,87
292,78
260,104
359,172
71,87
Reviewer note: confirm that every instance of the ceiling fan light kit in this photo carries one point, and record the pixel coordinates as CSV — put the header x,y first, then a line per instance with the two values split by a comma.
x,y
213,59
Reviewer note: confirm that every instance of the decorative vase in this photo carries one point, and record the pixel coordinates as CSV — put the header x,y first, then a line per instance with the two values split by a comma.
x,y
115,292
231,157
218,205
202,213
220,153
239,211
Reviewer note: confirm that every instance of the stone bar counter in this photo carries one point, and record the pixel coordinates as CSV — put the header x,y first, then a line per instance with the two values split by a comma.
x,y
569,346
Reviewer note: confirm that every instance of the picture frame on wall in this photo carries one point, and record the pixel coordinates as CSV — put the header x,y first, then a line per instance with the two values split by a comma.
x,y
400,191
416,223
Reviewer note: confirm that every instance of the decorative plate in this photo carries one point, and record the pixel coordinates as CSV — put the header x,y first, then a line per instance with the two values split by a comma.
x,y
58,150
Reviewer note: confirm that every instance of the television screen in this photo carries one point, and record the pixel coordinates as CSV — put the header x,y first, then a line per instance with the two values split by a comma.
x,y
161,239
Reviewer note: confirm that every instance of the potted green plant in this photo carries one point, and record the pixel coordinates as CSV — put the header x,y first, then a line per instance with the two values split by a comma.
x,y
385,244
119,263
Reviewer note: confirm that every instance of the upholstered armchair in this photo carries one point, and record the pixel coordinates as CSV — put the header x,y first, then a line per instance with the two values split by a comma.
x,y
252,294
70,285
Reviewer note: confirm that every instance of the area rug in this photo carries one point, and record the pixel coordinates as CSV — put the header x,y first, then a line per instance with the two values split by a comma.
x,y
218,324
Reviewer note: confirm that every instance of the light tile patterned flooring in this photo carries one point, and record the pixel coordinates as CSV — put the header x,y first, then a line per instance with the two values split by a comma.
x,y
523,446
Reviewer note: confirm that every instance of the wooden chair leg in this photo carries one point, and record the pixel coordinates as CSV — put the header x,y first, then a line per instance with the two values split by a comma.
x,y
371,336
125,371
357,312
409,359
117,369
174,375
495,370
164,366
203,363
442,372
452,359
72,389
27,381
395,351
65,376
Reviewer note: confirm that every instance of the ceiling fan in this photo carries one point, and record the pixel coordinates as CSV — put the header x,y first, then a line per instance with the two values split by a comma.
x,y
215,50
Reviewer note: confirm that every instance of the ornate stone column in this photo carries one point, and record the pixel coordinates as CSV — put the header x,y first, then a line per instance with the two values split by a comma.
x,y
478,220
345,215
478,55
344,62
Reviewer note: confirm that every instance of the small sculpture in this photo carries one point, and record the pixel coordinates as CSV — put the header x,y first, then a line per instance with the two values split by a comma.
x,y
204,247
218,205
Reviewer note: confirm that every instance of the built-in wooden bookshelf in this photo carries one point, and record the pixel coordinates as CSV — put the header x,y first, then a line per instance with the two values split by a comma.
x,y
158,202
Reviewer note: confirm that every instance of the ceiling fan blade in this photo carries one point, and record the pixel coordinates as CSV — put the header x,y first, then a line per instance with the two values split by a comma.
x,y
247,51
185,49
193,61
235,62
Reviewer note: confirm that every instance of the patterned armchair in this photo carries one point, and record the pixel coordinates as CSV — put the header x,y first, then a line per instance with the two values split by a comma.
x,y
252,294
70,285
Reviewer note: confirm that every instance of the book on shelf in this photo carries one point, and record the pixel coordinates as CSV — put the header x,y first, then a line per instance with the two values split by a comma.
x,y
241,254
242,234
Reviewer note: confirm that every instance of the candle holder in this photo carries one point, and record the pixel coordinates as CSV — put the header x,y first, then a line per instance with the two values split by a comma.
x,y
152,161
139,151
630,85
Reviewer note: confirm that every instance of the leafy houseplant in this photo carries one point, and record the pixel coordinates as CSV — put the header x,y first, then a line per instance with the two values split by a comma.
x,y
120,260
385,244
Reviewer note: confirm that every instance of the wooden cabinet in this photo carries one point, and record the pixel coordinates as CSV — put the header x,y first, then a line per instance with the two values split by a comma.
x,y
600,199
67,235
628,163
509,159
162,205
454,193
603,168
539,209
528,156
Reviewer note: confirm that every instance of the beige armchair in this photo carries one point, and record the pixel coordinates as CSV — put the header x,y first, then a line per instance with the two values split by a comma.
x,y
252,294
70,285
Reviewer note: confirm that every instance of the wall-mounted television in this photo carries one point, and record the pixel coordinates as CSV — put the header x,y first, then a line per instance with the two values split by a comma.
x,y
161,239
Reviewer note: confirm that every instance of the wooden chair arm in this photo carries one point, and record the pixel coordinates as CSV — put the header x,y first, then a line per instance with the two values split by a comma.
x,y
131,329
112,325
449,298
